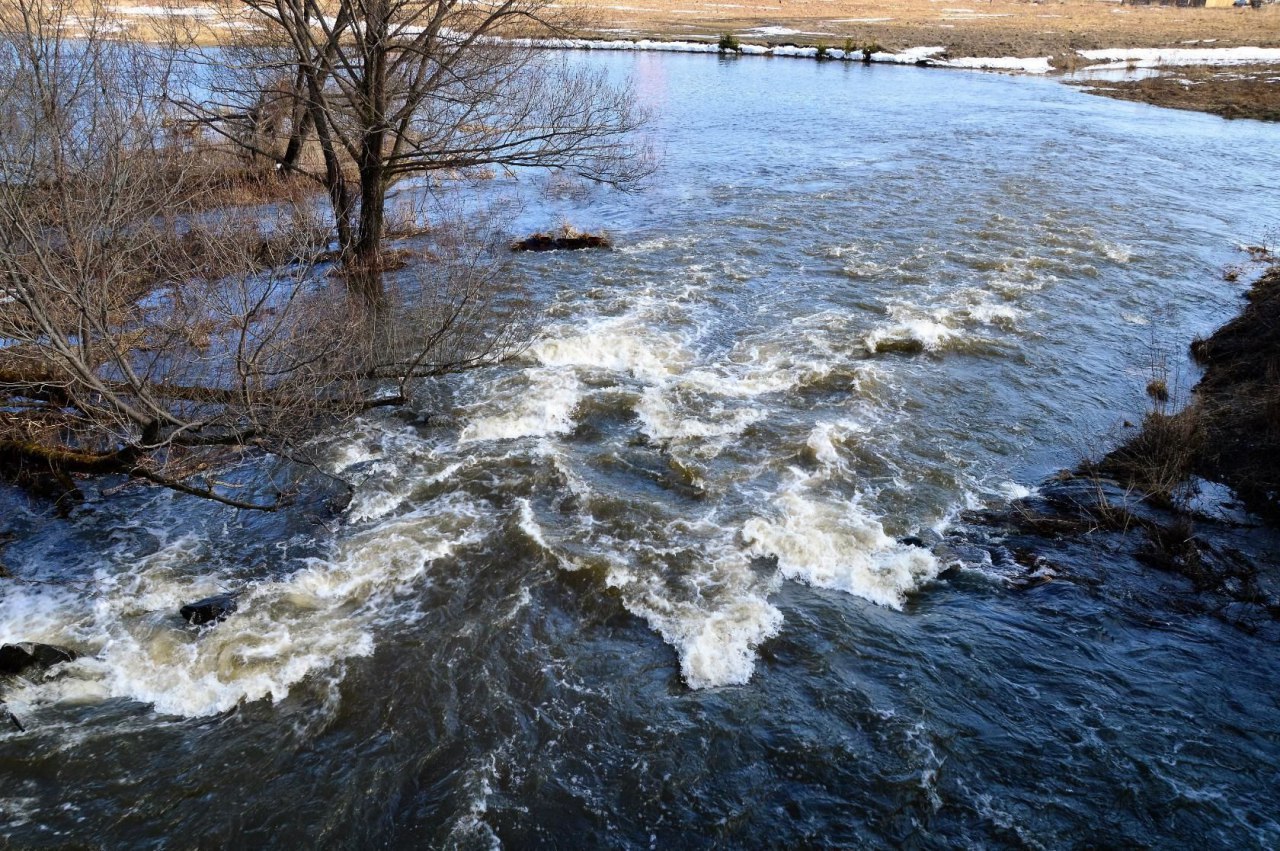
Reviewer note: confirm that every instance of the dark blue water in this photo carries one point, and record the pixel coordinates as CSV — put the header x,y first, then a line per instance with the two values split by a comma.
x,y
641,587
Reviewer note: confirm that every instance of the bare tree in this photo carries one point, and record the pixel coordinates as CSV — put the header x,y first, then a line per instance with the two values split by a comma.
x,y
140,333
159,319
392,88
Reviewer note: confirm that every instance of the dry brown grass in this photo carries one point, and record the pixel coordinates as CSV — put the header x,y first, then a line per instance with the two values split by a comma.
x,y
988,28
970,28
1160,458
1241,92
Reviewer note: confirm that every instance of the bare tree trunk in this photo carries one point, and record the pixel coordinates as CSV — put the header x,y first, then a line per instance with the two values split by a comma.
x,y
367,256
299,126
334,180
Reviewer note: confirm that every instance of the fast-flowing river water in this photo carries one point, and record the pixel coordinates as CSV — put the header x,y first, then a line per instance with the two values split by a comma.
x,y
643,586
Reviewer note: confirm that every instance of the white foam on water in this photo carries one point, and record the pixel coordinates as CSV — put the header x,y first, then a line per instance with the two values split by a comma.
x,y
529,524
824,438
661,419
15,812
34,613
716,636
1013,490
658,243
622,344
545,407
352,453
720,615
820,444
991,313
133,646
796,358
837,546
386,490
719,648
929,334
1117,253
470,829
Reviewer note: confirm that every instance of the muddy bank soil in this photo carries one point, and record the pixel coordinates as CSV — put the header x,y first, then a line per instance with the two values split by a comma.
x,y
1239,92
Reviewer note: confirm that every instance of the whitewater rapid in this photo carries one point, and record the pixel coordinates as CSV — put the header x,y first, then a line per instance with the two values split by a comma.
x,y
703,417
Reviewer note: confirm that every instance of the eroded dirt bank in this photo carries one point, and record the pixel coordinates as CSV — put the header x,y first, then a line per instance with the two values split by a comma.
x,y
1234,92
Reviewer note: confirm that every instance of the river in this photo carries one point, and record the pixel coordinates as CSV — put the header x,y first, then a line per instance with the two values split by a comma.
x,y
643,586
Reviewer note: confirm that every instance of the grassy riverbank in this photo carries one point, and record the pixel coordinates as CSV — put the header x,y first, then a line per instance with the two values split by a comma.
x,y
1156,501
988,28
1237,92
1052,33
1230,431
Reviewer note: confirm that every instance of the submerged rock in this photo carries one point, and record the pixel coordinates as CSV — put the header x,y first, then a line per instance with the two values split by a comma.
x,y
210,609
18,658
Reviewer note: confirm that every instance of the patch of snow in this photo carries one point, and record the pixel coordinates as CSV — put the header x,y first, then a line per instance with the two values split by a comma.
x,y
1156,57
910,56
1028,65
158,11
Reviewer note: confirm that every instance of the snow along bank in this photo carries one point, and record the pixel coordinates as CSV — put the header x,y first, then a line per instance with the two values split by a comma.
x,y
1156,57
1120,57
912,56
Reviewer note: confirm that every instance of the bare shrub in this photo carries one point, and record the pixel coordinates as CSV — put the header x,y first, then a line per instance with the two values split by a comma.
x,y
147,327
397,88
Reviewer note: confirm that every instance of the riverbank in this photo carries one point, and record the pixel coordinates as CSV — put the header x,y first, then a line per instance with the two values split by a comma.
x,y
1158,503
1230,430
1003,35
996,35
989,28
1241,92
992,28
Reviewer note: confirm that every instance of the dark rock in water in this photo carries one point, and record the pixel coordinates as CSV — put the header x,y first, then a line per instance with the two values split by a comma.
x,y
568,241
912,541
4,710
17,658
210,609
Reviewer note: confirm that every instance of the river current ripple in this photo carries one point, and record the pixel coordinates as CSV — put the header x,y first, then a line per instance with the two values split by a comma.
x,y
643,587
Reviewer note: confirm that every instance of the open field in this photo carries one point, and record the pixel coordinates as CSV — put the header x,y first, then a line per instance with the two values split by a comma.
x,y
964,27
1058,31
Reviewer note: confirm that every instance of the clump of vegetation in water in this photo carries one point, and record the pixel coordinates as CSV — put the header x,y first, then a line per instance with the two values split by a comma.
x,y
823,51
729,43
567,238
1230,430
